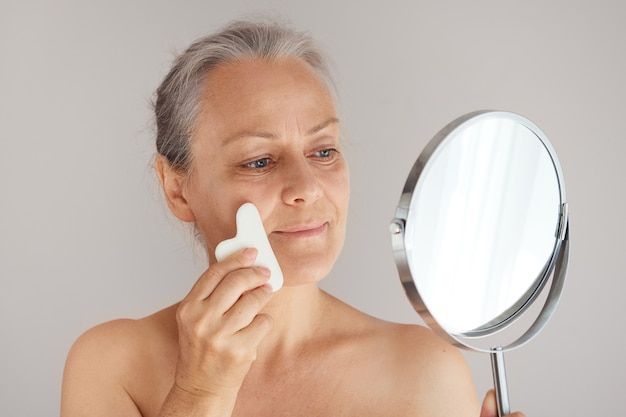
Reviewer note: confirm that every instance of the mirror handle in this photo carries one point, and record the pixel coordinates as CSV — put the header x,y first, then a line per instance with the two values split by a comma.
x,y
499,380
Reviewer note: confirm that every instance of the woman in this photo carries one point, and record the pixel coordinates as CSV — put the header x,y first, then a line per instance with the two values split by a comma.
x,y
248,115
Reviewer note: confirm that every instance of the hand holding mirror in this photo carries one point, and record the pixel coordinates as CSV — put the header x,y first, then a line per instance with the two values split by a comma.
x,y
481,228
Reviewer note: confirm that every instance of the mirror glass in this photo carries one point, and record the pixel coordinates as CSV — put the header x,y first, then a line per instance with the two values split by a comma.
x,y
481,227
483,218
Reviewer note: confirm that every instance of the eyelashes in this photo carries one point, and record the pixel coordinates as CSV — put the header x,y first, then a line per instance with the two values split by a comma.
x,y
325,153
324,156
258,164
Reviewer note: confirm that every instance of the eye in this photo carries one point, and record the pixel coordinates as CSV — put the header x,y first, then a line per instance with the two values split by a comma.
x,y
258,163
326,156
325,153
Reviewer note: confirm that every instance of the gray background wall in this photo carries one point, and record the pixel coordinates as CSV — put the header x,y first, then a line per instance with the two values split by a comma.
x,y
85,236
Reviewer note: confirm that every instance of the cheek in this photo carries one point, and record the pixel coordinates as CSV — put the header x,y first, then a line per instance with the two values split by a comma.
x,y
214,209
339,189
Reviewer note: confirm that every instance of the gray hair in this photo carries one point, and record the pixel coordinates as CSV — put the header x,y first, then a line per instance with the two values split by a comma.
x,y
178,97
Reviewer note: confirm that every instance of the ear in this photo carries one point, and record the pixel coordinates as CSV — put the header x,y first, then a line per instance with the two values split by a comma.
x,y
172,183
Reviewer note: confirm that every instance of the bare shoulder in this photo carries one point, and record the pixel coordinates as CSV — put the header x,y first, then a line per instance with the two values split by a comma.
x,y
107,362
422,345
106,339
414,370
430,372
421,349
115,342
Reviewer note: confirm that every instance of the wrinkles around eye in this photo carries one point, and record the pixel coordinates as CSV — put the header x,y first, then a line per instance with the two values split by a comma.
x,y
327,155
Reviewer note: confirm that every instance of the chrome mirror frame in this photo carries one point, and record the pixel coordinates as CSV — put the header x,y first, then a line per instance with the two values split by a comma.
x,y
555,268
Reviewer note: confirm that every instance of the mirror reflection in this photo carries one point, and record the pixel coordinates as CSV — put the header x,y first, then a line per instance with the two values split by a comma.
x,y
483,220
481,227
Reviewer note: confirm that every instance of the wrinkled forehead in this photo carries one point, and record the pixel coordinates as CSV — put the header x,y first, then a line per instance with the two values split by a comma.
x,y
265,96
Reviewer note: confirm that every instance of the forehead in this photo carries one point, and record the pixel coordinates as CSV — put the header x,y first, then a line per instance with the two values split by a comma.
x,y
262,94
261,74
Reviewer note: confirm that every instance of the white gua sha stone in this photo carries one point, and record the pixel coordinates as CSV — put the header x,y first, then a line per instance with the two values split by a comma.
x,y
251,234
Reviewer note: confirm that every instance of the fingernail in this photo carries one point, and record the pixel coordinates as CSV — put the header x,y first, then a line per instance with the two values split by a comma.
x,y
250,253
265,271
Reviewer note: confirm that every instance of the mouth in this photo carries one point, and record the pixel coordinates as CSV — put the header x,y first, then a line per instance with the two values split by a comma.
x,y
304,230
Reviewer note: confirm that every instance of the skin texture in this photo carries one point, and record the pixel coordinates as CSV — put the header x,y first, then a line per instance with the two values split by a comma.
x,y
268,133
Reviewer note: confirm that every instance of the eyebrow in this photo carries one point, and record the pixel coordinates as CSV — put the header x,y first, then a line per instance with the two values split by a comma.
x,y
322,126
266,135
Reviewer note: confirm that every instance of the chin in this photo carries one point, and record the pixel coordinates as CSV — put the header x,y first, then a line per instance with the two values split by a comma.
x,y
301,270
309,260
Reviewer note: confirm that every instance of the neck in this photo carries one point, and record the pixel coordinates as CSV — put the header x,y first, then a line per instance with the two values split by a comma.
x,y
298,315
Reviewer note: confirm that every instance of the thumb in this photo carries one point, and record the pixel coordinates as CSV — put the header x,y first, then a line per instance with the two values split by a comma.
x,y
489,407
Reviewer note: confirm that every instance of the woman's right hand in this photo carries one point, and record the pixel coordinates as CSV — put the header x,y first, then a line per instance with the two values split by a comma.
x,y
220,326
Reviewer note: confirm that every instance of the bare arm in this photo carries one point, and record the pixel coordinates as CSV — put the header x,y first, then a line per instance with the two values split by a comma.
x,y
219,330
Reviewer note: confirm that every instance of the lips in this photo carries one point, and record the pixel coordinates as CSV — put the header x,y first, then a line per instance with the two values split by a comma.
x,y
303,230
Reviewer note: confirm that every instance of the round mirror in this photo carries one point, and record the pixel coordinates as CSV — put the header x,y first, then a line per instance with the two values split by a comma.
x,y
481,227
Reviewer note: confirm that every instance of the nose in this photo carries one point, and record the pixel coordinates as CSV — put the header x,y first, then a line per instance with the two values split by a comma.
x,y
301,185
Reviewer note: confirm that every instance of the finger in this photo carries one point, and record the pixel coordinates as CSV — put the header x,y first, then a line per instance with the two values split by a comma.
x,y
241,348
253,334
247,307
211,278
202,316
489,407
234,285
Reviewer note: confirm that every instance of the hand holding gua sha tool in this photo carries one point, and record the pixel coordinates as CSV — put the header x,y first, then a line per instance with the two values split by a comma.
x,y
251,234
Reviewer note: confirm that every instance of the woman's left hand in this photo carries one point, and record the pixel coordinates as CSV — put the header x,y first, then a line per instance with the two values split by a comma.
x,y
490,408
